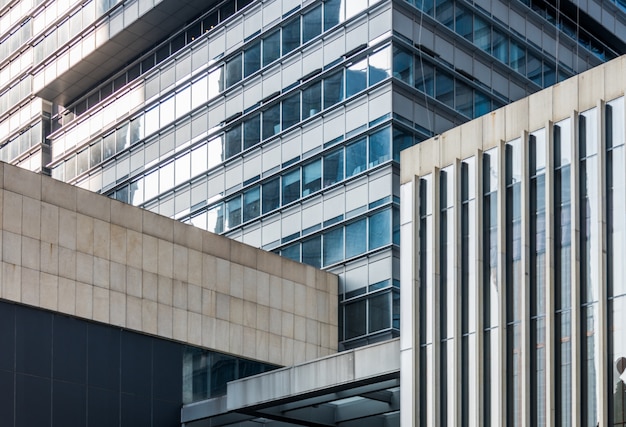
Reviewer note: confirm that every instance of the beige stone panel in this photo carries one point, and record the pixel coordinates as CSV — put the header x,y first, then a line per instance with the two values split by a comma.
x,y
195,267
30,287
300,299
58,193
236,310
101,304
67,229
250,284
84,235
409,163
158,226
263,318
614,78
101,271
117,309
590,88
222,306
49,223
188,236
309,303
539,109
249,343
194,298
299,352
67,296
49,291
312,351
21,181
324,336
49,258
299,328
287,320
93,205
322,306
262,345
222,335
275,349
565,96
181,263
292,270
333,337
313,332
471,139
84,267
333,308
12,248
215,245
118,244
249,314
263,288
12,212
11,282
165,320
222,278
269,263
102,239
118,277
288,296
67,263
208,332
276,321
236,339
276,292
209,272
311,278
149,316
166,258
287,351
208,303
243,254
449,146
516,119
31,218
150,286
134,313
194,328
236,280
493,129
180,324
150,254
126,216
180,294
84,300
134,282
165,290
134,249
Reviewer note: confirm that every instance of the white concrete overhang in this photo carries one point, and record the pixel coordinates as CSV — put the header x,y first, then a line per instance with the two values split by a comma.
x,y
357,387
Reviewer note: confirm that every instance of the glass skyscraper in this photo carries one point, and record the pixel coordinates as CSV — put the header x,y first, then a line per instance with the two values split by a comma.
x,y
278,123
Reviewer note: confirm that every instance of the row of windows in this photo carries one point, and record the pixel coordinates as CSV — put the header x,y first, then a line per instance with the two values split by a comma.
x,y
15,94
279,116
21,143
256,56
493,41
425,77
16,39
369,315
346,241
159,55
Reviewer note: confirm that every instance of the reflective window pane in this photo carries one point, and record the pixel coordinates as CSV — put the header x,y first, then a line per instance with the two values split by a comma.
x,y
380,229
233,212
332,13
312,24
311,177
271,121
215,219
271,195
380,146
333,89
379,66
333,246
355,320
356,78
291,36
379,312
403,65
291,186
356,155
252,131
312,251
232,142
356,241
291,110
333,168
311,100
291,252
233,71
252,59
271,48
251,203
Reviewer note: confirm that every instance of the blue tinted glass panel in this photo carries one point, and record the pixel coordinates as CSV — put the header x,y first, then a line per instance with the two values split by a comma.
x,y
356,238
271,195
312,24
311,177
271,48
271,121
252,59
355,319
333,89
445,88
311,100
332,13
233,71
424,76
251,203
379,66
215,219
291,36
379,229
333,168
291,186
380,146
232,143
312,252
356,158
356,78
379,312
291,110
233,212
291,252
252,131
403,65
333,246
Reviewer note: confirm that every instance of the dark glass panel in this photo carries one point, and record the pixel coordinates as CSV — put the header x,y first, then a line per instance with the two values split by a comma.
x,y
223,370
311,100
332,13
333,89
271,121
7,401
136,361
166,370
136,410
291,110
252,59
291,36
379,312
271,195
252,131
32,401
103,362
7,336
69,359
333,168
33,344
103,407
69,404
355,319
312,252
312,24
271,48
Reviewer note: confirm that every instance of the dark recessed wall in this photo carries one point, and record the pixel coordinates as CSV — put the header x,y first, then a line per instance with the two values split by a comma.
x,y
56,370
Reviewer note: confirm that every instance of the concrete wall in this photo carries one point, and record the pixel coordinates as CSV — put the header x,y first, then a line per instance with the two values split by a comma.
x,y
76,252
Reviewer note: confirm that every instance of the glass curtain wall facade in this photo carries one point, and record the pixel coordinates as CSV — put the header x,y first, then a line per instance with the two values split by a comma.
x,y
561,340
277,123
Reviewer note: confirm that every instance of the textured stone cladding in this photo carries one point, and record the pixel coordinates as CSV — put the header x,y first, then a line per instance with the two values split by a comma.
x,y
76,252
